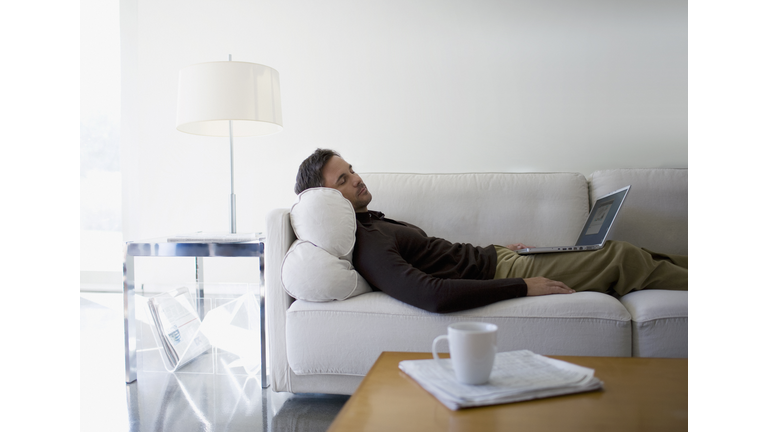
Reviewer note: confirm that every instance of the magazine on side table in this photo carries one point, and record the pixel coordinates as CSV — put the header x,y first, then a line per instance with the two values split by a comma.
x,y
214,237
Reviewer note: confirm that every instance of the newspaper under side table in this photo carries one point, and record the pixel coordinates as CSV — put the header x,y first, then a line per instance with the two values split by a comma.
x,y
162,247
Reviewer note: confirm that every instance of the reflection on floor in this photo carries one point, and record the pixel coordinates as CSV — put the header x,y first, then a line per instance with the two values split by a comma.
x,y
208,396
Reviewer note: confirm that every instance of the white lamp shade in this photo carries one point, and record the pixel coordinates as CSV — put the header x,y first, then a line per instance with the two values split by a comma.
x,y
211,94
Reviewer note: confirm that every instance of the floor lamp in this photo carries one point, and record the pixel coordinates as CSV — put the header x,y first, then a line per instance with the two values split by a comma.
x,y
228,98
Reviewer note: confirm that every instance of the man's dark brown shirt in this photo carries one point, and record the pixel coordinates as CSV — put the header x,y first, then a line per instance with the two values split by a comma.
x,y
428,272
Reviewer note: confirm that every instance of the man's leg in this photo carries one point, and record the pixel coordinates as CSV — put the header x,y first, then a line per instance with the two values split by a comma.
x,y
620,266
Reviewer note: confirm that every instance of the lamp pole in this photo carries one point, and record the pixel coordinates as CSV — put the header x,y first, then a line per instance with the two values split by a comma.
x,y
232,205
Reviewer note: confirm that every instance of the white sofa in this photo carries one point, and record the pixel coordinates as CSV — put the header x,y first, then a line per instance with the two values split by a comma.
x,y
327,347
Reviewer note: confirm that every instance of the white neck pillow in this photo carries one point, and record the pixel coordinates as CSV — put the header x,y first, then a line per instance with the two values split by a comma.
x,y
318,266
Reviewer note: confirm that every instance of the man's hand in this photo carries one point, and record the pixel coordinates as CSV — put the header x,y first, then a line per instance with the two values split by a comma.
x,y
517,246
542,286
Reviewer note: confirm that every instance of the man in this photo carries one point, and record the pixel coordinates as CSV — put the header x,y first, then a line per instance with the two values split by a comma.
x,y
439,276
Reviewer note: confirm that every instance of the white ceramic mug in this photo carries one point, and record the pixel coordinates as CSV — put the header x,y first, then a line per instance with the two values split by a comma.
x,y
473,350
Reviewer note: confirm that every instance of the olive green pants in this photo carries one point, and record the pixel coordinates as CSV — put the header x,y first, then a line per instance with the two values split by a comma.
x,y
618,267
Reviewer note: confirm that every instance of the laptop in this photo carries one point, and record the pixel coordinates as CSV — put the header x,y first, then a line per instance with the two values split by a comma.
x,y
596,227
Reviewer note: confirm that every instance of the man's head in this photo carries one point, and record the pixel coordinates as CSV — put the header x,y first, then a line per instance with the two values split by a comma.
x,y
326,168
311,170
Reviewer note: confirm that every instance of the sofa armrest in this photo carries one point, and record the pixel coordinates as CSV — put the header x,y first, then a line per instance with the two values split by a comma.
x,y
280,237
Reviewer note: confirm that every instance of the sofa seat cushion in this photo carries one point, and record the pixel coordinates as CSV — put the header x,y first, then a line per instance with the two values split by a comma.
x,y
347,337
659,323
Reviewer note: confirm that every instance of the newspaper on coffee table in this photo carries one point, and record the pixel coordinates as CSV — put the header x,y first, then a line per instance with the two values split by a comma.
x,y
516,376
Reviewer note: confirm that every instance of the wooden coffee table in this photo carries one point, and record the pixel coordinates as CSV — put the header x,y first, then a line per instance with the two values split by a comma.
x,y
639,394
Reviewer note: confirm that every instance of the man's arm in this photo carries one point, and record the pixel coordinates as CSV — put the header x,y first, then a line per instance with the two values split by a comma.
x,y
392,275
377,258
408,284
517,246
542,286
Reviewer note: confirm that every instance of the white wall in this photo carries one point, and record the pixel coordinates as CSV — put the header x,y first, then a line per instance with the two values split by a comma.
x,y
398,85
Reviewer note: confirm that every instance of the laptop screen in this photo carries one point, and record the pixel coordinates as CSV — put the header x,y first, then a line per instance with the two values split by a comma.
x,y
601,218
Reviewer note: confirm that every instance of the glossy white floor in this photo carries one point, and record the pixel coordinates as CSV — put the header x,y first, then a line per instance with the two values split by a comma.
x,y
162,401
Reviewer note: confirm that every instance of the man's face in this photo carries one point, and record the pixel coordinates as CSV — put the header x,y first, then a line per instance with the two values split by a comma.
x,y
338,174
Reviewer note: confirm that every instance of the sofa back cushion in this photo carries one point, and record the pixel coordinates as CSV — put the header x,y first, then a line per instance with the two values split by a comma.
x,y
655,213
538,209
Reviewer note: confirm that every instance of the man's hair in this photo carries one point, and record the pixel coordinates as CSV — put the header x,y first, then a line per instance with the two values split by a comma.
x,y
310,172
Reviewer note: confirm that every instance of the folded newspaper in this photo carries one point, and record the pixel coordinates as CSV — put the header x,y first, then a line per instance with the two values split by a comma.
x,y
516,376
176,327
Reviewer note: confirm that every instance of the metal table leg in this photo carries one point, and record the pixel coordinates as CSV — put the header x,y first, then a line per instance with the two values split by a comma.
x,y
262,317
200,290
129,318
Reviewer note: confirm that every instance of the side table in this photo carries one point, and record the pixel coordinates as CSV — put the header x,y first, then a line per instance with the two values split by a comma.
x,y
161,247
